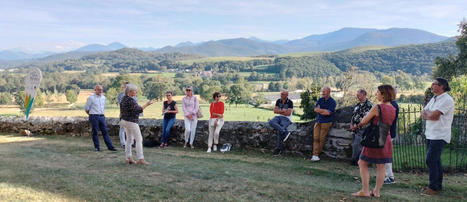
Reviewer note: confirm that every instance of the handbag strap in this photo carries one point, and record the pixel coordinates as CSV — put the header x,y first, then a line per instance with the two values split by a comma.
x,y
380,116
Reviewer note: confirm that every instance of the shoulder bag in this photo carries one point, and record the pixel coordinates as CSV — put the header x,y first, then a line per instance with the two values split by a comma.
x,y
375,136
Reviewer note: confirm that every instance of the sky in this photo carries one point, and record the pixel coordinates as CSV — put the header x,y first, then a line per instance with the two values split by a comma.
x,y
64,25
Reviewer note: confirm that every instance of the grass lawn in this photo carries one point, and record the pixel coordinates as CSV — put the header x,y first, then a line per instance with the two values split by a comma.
x,y
413,156
61,168
222,59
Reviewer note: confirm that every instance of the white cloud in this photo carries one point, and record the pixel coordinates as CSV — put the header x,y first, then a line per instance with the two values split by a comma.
x,y
151,22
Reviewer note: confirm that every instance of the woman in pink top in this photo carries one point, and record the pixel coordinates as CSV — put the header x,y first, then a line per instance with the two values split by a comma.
x,y
190,106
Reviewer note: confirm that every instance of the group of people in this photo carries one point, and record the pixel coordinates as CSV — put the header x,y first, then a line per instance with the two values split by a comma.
x,y
438,114
130,111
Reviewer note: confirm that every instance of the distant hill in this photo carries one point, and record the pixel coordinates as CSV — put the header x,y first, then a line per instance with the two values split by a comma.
x,y
354,37
339,40
130,59
229,47
186,43
415,59
98,47
320,42
9,55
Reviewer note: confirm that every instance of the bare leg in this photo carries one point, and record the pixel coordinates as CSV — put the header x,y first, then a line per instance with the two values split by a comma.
x,y
380,173
365,175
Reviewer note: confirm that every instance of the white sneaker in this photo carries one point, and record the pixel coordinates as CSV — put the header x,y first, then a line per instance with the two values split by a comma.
x,y
214,148
314,158
287,136
209,150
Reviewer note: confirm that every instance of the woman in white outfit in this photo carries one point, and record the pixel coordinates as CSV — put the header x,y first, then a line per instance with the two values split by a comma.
x,y
190,104
130,111
216,121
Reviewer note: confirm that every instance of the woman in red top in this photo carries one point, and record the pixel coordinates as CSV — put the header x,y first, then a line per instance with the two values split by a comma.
x,y
378,156
216,121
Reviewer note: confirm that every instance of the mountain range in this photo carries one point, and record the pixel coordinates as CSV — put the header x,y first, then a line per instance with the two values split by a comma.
x,y
338,40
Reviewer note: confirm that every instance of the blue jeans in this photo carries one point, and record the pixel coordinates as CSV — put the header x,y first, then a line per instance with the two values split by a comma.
x,y
434,148
357,145
98,122
166,127
280,123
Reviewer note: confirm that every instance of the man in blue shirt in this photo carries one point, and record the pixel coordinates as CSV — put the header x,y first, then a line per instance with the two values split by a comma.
x,y
325,107
94,107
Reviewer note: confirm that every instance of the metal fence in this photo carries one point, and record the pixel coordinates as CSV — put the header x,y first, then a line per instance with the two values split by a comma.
x,y
409,147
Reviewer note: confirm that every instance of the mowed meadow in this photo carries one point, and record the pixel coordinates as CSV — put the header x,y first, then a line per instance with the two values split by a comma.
x,y
65,168
60,107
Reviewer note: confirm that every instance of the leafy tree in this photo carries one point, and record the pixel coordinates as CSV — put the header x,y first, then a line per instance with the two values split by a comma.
x,y
453,66
459,89
351,81
156,90
39,99
206,91
112,95
309,99
238,94
20,101
5,98
71,96
259,100
385,79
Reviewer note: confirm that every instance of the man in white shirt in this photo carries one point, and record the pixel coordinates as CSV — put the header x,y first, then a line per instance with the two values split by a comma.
x,y
438,113
94,107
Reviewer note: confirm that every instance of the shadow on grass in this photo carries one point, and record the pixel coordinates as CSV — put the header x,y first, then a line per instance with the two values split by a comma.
x,y
67,168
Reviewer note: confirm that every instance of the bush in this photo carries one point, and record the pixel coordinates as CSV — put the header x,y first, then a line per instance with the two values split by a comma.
x,y
71,96
20,100
309,99
5,98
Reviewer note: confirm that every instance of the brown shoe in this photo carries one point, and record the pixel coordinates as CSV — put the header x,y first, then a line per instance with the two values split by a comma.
x,y
129,161
429,192
142,162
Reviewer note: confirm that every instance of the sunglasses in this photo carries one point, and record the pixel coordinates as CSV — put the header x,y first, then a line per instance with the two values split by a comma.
x,y
188,89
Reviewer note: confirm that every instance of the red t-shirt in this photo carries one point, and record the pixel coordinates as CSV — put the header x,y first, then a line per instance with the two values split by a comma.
x,y
216,107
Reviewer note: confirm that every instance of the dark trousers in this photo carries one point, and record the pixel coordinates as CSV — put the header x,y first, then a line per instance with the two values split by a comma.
x,y
357,145
166,127
98,122
434,148
280,123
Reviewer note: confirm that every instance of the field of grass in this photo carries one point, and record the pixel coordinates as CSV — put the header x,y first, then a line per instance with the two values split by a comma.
x,y
363,49
221,59
63,168
302,54
232,112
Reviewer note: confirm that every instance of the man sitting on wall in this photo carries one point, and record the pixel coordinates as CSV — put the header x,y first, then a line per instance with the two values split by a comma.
x,y
284,108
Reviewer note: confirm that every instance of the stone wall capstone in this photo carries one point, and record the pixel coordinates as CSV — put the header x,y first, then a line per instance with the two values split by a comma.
x,y
241,134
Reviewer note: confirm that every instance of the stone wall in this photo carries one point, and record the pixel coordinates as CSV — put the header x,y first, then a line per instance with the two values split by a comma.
x,y
249,135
